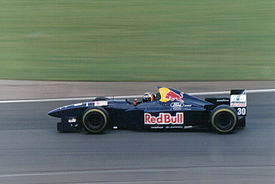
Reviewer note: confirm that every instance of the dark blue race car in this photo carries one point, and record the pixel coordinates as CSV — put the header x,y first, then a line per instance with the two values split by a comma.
x,y
167,109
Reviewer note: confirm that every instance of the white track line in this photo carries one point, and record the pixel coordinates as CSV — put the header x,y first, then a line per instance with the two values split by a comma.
x,y
133,96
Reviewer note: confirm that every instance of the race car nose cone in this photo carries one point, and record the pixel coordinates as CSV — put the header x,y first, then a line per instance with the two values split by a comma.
x,y
54,113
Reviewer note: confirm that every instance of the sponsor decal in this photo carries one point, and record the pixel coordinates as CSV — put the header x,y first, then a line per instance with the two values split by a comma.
x,y
238,100
177,105
171,95
187,105
71,120
101,103
156,127
164,119
174,127
222,100
78,104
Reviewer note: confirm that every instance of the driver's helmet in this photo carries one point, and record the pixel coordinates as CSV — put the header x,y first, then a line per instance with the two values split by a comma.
x,y
147,97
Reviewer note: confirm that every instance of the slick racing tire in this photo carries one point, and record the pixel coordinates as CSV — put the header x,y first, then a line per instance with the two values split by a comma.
x,y
224,119
95,120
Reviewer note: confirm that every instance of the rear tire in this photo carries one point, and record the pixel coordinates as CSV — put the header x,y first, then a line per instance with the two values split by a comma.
x,y
224,119
95,120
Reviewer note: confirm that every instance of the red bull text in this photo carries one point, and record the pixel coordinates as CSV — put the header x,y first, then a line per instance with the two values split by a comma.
x,y
163,119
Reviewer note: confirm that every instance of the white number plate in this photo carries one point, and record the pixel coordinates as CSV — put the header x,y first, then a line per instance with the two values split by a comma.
x,y
241,111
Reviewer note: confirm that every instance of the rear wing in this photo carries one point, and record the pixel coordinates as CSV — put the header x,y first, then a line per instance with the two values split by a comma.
x,y
238,100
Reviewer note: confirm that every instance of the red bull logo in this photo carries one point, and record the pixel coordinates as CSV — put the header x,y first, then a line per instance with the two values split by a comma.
x,y
163,119
171,95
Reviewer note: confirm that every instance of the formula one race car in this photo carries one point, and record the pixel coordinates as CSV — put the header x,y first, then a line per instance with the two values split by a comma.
x,y
168,109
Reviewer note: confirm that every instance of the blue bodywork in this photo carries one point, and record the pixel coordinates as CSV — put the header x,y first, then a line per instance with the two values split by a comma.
x,y
124,114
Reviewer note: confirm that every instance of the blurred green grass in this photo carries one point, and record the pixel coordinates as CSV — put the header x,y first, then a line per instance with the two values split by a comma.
x,y
137,40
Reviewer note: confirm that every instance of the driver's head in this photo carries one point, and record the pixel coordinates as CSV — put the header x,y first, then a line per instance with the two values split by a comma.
x,y
147,97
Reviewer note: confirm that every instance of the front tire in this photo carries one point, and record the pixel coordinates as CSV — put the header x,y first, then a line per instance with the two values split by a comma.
x,y
224,119
95,120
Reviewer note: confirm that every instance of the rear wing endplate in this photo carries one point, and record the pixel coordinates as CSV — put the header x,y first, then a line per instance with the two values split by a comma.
x,y
238,101
238,98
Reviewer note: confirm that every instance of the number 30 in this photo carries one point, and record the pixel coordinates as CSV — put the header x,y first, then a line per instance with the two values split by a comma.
x,y
241,111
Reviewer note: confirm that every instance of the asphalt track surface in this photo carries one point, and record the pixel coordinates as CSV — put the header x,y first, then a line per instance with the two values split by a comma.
x,y
31,151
